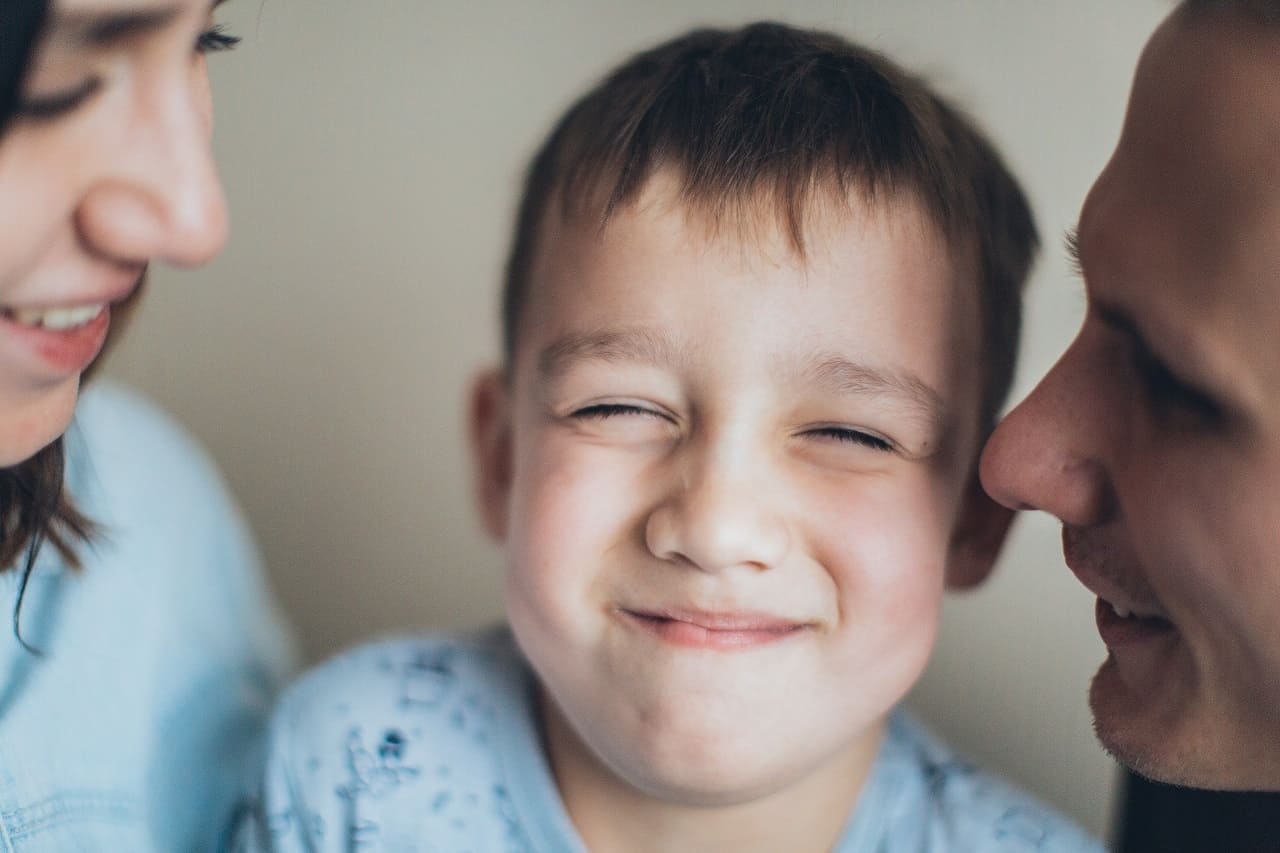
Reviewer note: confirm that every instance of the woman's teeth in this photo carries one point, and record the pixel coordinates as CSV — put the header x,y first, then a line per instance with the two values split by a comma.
x,y
56,319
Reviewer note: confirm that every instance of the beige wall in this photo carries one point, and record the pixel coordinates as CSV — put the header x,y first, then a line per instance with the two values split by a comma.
x,y
371,150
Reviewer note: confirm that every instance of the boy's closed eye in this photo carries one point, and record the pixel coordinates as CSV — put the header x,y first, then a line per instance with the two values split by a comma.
x,y
601,411
851,436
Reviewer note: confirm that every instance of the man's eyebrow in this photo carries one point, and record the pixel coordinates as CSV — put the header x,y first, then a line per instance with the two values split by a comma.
x,y
94,28
639,345
844,377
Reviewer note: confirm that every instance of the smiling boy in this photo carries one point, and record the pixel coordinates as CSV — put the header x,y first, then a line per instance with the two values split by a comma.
x,y
760,312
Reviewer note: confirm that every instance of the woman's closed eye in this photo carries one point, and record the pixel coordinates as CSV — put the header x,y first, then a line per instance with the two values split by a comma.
x,y
55,105
48,107
216,39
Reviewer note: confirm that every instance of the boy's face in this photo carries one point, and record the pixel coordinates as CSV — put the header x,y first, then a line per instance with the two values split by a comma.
x,y
1156,437
729,482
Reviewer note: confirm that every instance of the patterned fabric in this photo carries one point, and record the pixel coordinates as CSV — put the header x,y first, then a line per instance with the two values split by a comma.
x,y
431,744
140,720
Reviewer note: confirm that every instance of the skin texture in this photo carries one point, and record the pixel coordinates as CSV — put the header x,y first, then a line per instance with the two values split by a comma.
x,y
1156,437
681,437
89,196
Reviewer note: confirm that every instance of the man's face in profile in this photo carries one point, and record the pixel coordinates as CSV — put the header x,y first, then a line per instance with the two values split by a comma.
x,y
1156,437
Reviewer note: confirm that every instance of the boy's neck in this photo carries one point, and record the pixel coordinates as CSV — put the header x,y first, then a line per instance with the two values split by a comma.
x,y
612,816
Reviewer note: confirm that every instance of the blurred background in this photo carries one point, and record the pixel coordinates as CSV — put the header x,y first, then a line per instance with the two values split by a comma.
x,y
372,151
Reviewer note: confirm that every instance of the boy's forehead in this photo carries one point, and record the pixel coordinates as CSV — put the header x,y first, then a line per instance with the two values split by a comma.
x,y
747,229
599,291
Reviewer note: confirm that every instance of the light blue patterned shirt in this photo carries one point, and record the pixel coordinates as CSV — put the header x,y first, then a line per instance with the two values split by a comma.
x,y
430,745
142,717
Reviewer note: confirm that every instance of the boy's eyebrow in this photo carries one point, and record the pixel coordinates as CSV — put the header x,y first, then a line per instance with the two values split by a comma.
x,y
832,372
639,345
844,377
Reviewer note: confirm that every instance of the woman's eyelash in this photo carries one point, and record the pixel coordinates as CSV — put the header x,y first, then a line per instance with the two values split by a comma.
x,y
853,436
216,39
50,107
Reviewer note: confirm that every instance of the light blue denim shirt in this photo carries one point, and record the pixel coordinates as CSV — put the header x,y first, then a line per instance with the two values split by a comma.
x,y
430,745
139,720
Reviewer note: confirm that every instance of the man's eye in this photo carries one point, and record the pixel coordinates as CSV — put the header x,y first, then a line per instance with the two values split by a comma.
x,y
50,107
216,39
853,436
1166,391
601,411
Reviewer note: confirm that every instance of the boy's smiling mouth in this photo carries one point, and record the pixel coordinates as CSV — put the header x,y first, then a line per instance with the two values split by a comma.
x,y
724,630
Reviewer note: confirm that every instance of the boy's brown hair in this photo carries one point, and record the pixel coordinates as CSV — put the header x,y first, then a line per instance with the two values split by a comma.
x,y
759,120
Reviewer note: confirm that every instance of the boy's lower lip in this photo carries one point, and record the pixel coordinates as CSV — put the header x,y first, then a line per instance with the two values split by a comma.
x,y
679,632
1118,631
65,351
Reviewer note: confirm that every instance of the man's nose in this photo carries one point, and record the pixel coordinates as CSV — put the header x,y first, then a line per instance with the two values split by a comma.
x,y
721,513
1050,453
157,195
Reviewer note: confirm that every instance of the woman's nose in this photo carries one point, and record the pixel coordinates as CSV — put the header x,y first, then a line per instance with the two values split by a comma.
x,y
158,195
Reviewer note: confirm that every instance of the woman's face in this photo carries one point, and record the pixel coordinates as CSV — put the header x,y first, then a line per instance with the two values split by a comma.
x,y
105,167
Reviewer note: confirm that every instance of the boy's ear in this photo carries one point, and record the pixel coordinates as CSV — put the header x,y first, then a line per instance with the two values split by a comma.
x,y
489,430
979,533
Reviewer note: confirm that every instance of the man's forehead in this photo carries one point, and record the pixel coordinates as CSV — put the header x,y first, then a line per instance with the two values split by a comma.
x,y
1181,228
1208,86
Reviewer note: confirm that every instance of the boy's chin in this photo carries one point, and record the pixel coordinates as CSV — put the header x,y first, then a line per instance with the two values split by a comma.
x,y
716,771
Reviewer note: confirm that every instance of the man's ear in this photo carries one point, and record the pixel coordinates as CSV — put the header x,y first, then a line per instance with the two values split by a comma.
x,y
489,430
979,533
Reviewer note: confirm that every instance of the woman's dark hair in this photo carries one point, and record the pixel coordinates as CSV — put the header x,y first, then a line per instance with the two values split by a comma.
x,y
33,508
20,22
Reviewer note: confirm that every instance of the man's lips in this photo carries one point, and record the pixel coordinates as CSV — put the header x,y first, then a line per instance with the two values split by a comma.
x,y
1110,571
713,629
1119,630
1123,616
1122,602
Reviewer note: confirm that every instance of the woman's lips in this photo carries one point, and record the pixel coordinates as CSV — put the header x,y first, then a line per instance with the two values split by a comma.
x,y
64,350
704,630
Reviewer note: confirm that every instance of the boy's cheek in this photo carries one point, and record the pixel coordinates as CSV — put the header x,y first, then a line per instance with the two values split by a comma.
x,y
569,508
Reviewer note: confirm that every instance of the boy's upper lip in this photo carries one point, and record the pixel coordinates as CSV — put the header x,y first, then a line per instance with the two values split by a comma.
x,y
720,620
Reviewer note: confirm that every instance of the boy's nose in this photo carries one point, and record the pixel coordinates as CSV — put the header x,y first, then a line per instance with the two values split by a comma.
x,y
717,520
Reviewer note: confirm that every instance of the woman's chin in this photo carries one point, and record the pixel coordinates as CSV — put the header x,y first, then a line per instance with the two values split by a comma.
x,y
32,420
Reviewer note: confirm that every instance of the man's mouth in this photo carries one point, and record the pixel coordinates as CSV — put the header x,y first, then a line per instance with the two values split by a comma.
x,y
1118,625
1127,609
